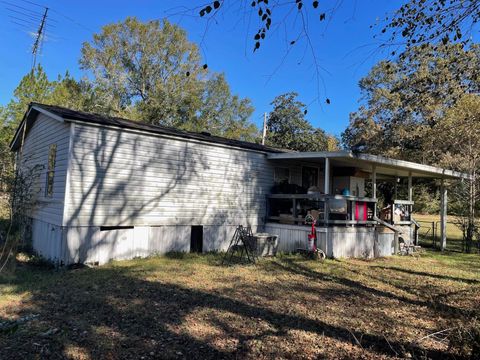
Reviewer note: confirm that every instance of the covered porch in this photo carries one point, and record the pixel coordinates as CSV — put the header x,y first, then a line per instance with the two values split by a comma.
x,y
339,190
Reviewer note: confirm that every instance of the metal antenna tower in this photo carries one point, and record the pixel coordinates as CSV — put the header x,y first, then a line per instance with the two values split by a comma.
x,y
39,38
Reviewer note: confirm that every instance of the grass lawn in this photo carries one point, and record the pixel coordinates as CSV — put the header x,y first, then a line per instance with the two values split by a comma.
x,y
454,234
191,307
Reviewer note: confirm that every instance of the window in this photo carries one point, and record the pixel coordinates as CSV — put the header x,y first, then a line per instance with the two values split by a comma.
x,y
309,176
52,155
281,175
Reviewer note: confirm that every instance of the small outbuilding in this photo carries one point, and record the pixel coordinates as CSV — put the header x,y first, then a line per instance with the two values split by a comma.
x,y
112,188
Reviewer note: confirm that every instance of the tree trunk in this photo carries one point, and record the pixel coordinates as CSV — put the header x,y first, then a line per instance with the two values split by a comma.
x,y
471,212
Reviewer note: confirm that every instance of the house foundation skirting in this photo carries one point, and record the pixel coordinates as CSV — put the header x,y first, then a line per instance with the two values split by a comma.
x,y
336,241
96,245
91,244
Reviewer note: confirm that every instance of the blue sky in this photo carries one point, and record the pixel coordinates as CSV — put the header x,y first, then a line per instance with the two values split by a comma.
x,y
344,47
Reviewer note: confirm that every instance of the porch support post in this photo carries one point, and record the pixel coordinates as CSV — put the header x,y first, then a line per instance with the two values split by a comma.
x,y
395,188
443,216
374,188
326,189
410,189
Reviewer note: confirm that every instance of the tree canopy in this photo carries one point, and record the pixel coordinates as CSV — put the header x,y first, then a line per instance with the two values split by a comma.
x,y
413,23
403,99
424,107
36,87
455,139
143,71
147,67
456,143
288,128
149,71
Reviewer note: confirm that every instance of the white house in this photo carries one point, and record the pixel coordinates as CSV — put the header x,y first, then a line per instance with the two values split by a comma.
x,y
112,188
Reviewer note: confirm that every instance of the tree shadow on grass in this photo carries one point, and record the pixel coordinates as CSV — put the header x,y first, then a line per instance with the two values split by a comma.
x,y
112,312
295,267
427,274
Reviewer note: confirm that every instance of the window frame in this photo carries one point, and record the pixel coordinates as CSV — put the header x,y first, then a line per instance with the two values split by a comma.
x,y
275,177
50,173
311,167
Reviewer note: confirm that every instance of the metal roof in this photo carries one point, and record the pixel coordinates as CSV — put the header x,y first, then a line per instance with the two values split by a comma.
x,y
365,162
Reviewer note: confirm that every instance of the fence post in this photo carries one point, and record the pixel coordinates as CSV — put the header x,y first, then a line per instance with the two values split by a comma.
x,y
433,234
443,216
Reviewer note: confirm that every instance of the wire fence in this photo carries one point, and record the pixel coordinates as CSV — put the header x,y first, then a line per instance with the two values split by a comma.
x,y
430,236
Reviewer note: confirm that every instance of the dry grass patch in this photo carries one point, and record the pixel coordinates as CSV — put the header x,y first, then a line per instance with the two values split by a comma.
x,y
190,307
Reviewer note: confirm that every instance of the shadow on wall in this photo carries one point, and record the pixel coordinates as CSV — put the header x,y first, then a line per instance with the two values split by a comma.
x,y
245,184
113,184
120,179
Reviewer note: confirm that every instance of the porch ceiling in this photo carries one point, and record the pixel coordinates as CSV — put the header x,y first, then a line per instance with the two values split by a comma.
x,y
365,162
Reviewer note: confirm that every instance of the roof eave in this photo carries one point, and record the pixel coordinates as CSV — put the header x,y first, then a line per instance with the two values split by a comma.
x,y
14,145
428,170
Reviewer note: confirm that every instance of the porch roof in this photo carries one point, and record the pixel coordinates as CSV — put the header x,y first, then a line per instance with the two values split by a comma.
x,y
365,162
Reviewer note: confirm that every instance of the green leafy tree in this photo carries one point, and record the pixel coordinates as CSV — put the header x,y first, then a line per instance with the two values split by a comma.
x,y
288,128
404,99
455,138
224,114
36,87
455,141
6,157
149,67
151,72
72,94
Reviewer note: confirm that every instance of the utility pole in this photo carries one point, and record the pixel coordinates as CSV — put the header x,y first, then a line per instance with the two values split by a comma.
x,y
39,38
264,134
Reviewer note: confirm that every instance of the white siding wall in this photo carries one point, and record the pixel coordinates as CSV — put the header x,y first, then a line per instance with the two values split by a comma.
x,y
290,237
44,132
217,238
119,177
47,240
90,245
384,242
349,242
161,186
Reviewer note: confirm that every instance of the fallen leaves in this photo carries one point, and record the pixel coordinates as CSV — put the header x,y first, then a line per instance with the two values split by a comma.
x,y
280,308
